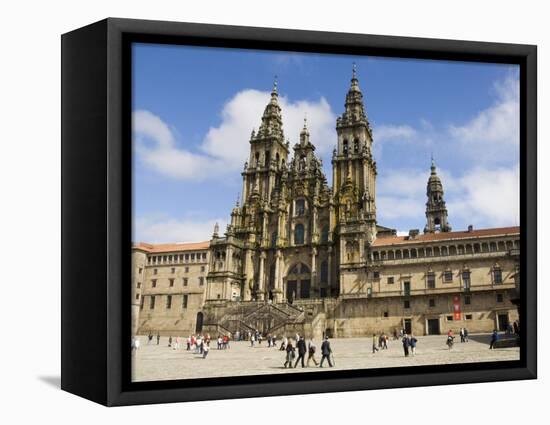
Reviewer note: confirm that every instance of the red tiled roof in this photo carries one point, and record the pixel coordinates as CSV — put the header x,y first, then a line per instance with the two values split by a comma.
x,y
171,247
430,237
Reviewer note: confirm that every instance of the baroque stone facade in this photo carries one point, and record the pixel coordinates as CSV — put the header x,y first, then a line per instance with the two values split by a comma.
x,y
300,256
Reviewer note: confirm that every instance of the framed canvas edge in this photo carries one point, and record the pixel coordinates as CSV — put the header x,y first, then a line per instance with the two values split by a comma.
x,y
525,55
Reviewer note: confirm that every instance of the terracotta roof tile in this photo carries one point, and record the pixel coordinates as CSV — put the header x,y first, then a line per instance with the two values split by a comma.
x,y
430,237
171,247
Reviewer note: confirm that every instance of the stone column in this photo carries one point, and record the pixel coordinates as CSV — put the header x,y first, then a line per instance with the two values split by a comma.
x,y
277,293
314,283
248,274
329,277
261,280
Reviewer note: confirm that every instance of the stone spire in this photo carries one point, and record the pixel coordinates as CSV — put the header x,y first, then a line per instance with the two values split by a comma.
x,y
436,210
272,121
304,134
355,109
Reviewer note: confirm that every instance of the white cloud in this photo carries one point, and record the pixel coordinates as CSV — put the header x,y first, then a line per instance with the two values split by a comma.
x,y
162,229
155,145
488,197
493,134
225,148
384,133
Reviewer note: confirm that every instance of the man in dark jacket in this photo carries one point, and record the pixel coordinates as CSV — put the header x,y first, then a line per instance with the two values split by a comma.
x,y
302,350
494,338
406,345
325,352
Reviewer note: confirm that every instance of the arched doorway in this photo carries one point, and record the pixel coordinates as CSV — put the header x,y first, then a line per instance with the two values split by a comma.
x,y
298,282
200,319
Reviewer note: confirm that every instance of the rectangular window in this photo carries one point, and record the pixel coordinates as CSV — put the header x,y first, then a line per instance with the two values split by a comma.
x,y
500,298
391,280
137,296
376,275
432,302
407,288
407,304
449,318
187,270
193,257
184,302
171,282
185,281
153,283
448,276
139,285
152,302
203,268
497,275
141,303
155,271
300,207
204,255
467,300
468,316
169,301
431,280
186,257
386,314
466,279
201,281
140,270
173,270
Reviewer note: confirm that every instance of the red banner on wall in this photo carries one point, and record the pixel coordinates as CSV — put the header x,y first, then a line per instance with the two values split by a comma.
x,y
456,307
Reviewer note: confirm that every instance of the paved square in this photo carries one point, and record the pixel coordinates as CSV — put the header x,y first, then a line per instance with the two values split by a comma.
x,y
159,362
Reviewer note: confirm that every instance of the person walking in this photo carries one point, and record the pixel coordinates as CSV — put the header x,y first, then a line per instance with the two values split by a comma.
x,y
252,338
494,339
311,353
284,343
385,342
465,335
462,335
302,350
170,341
189,343
205,349
289,354
149,338
374,348
405,342
326,351
412,343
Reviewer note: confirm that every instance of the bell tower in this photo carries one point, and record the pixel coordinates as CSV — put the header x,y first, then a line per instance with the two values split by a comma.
x,y
268,153
353,166
436,210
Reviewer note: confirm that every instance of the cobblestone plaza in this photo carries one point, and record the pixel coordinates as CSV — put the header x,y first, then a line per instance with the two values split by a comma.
x,y
160,362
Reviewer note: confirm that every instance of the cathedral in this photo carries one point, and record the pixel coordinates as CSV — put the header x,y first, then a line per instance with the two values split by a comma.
x,y
300,256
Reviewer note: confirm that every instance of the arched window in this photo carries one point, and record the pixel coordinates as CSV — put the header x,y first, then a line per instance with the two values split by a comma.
x,y
299,234
324,234
345,147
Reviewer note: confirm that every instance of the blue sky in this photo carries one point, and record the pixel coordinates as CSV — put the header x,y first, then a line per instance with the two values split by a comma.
x,y
194,109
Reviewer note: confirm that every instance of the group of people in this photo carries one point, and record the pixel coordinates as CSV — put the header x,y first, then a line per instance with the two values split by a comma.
x,y
409,344
302,349
223,342
382,342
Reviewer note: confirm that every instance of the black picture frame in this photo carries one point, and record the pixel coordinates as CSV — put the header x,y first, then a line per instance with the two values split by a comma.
x,y
96,210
